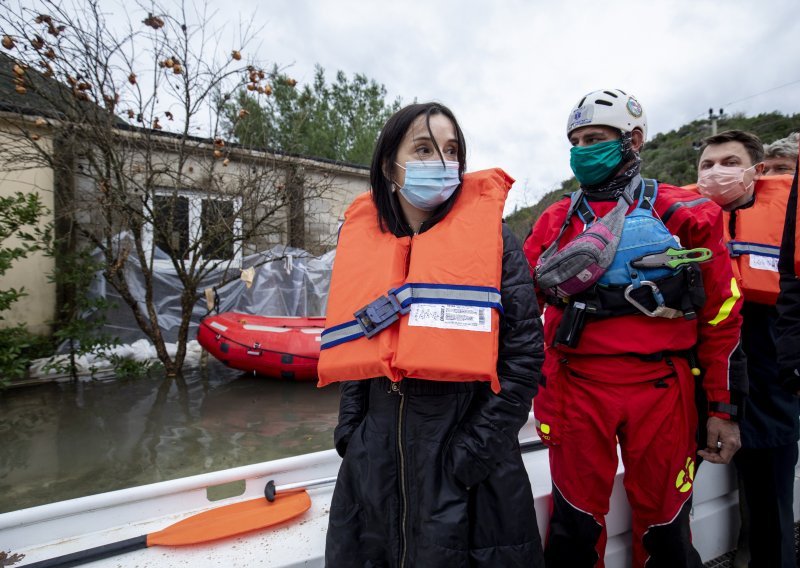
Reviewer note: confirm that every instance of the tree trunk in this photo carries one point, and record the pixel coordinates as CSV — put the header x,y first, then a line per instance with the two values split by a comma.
x,y
296,229
65,233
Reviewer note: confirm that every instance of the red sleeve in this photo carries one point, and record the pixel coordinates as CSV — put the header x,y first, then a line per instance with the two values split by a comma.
x,y
719,321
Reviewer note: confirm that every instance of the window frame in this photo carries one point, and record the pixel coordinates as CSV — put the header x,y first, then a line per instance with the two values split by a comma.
x,y
195,228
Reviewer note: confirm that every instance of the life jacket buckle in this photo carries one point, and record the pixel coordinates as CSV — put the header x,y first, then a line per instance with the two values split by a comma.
x,y
661,310
379,314
732,252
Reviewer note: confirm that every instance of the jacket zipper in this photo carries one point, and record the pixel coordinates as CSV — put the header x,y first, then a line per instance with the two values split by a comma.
x,y
595,236
401,448
402,464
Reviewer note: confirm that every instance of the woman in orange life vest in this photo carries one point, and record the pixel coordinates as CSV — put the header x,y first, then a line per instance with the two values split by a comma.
x,y
434,336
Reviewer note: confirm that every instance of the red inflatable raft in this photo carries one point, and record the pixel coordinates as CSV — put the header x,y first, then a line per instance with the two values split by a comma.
x,y
278,347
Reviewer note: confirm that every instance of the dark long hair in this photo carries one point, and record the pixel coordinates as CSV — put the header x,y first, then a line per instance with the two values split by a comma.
x,y
390,216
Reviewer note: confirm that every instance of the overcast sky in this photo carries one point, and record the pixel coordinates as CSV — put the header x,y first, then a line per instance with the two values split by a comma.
x,y
512,70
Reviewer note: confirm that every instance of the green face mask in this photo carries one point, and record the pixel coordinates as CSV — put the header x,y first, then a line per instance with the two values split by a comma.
x,y
594,164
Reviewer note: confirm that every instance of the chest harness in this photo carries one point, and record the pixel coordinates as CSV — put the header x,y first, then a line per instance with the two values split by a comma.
x,y
651,273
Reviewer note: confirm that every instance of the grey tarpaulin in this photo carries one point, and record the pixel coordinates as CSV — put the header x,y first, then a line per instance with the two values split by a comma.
x,y
287,282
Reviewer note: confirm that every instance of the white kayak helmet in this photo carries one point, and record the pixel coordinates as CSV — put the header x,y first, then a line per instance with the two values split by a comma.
x,y
610,107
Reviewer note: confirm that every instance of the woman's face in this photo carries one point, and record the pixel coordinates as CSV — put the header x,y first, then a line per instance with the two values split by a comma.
x,y
418,146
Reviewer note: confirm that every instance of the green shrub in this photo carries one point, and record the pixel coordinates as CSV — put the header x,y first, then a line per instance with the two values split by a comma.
x,y
18,347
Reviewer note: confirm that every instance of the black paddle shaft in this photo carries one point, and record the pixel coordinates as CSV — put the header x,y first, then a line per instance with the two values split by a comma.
x,y
92,554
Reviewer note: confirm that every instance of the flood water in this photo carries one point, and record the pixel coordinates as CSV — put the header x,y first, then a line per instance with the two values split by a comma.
x,y
62,440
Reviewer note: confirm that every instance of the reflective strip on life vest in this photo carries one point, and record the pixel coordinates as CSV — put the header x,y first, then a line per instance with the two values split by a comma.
x,y
407,294
727,305
482,296
738,248
341,333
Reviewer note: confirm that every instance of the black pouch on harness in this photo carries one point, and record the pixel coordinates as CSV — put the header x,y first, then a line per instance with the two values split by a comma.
x,y
571,325
697,293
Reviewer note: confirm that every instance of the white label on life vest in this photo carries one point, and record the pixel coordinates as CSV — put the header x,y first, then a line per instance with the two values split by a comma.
x,y
759,262
470,318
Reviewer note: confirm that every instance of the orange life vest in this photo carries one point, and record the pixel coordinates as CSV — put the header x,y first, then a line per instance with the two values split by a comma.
x,y
443,285
756,243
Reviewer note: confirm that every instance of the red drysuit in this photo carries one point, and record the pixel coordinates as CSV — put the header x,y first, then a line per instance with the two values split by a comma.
x,y
628,379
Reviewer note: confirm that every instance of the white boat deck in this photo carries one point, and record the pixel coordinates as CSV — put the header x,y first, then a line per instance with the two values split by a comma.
x,y
69,526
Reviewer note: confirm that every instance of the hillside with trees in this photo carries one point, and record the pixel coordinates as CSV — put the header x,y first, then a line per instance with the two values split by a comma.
x,y
671,157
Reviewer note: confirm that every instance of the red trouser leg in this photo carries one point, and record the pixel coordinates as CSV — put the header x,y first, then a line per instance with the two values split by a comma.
x,y
583,467
655,422
658,447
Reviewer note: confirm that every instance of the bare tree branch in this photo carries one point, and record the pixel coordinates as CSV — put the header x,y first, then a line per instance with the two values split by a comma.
x,y
122,107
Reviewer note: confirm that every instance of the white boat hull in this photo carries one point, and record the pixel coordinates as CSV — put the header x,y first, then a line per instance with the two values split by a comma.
x,y
70,526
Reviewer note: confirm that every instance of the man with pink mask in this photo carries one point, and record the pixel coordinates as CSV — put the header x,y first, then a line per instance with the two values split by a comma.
x,y
730,173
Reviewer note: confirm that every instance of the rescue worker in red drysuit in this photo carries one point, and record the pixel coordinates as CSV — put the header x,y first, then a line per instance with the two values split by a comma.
x,y
730,174
627,378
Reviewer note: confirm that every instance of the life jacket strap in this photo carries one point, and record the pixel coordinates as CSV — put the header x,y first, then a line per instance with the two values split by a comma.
x,y
481,296
386,310
738,248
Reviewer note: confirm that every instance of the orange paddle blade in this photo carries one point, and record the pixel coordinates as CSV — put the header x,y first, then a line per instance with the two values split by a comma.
x,y
232,520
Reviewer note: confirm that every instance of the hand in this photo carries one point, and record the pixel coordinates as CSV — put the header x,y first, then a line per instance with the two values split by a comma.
x,y
722,442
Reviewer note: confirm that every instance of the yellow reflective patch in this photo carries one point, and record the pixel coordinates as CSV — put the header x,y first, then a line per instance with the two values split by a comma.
x,y
727,305
683,482
545,428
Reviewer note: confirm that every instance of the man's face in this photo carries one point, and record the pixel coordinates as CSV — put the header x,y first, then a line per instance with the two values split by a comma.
x,y
779,166
731,154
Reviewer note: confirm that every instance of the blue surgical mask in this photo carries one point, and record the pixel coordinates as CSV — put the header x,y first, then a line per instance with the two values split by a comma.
x,y
430,183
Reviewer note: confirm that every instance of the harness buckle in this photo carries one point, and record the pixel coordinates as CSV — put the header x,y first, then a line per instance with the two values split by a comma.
x,y
661,310
379,314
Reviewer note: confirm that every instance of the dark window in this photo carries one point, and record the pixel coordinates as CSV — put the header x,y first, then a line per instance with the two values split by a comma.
x,y
171,224
216,221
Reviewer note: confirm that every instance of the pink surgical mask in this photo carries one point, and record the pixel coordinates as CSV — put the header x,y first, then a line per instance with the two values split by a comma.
x,y
723,184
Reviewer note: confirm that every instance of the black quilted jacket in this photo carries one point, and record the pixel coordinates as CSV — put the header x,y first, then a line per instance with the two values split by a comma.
x,y
432,473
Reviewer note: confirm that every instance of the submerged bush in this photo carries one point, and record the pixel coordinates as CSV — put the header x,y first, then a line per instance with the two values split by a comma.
x,y
18,347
